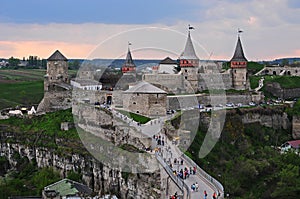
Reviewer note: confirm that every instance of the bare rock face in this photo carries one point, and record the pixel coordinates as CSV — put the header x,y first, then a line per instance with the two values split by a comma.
x,y
296,127
97,176
53,101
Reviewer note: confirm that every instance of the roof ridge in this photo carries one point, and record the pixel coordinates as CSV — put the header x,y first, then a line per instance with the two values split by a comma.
x,y
57,56
239,52
129,60
189,50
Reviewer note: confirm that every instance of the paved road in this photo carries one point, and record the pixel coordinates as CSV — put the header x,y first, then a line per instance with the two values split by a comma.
x,y
169,151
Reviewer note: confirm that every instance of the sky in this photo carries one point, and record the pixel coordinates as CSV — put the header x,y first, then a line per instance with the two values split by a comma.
x,y
156,29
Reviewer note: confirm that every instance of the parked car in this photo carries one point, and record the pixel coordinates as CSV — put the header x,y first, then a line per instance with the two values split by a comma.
x,y
230,105
239,105
252,104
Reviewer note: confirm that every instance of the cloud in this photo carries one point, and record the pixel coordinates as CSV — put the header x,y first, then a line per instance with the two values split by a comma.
x,y
43,49
271,29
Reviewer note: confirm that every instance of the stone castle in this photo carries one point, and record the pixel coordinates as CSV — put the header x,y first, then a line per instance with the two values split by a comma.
x,y
196,75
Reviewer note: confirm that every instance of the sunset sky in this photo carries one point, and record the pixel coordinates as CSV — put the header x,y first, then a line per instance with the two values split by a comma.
x,y
156,28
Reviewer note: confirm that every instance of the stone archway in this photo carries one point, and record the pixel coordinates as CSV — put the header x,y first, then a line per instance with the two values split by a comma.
x,y
108,100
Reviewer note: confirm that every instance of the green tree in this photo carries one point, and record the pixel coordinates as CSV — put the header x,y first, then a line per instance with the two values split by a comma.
x,y
13,62
288,185
45,177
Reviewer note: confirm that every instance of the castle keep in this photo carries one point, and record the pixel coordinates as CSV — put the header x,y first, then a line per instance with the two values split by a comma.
x,y
57,88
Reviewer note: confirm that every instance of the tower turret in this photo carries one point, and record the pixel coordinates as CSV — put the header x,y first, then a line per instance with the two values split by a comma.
x,y
238,65
128,65
189,64
57,70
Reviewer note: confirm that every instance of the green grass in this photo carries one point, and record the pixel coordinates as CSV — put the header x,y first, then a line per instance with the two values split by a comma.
x,y
27,74
254,67
21,93
254,81
285,81
295,110
136,117
22,74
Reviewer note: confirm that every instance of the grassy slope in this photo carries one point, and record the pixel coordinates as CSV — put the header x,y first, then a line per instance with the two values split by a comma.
x,y
22,86
254,67
246,163
21,93
136,117
40,131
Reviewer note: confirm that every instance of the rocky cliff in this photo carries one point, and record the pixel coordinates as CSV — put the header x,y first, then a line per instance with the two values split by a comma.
x,y
296,127
66,153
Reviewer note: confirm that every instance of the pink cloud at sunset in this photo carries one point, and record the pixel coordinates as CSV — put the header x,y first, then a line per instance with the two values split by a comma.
x,y
43,49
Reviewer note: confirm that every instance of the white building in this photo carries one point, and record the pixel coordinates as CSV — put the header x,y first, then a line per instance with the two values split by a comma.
x,y
86,84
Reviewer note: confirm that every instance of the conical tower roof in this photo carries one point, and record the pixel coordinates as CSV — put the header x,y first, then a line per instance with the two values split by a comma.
x,y
239,53
57,56
129,62
189,51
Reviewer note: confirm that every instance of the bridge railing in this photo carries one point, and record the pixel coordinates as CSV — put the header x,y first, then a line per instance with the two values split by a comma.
x,y
178,181
218,187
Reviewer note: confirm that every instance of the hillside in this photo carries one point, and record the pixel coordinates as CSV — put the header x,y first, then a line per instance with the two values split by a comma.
x,y
246,161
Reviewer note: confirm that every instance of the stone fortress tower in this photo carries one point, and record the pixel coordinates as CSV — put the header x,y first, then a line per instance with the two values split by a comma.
x,y
57,71
238,63
129,66
189,64
57,89
128,73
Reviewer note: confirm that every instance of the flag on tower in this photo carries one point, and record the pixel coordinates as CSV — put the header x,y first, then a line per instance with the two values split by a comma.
x,y
191,27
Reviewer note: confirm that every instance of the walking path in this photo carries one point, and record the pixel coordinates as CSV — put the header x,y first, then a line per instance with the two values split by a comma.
x,y
260,84
168,151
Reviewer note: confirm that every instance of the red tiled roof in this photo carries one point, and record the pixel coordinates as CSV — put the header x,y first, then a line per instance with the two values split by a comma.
x,y
294,143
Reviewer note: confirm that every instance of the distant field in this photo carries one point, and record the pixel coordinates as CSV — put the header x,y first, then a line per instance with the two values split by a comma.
x,y
21,75
25,75
21,93
22,86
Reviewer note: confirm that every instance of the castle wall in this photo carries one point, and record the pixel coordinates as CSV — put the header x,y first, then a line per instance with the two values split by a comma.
x,y
292,71
145,104
169,82
276,90
239,78
57,71
188,101
215,81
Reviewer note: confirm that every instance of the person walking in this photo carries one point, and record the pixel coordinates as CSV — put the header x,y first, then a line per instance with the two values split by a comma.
x,y
214,195
205,194
196,186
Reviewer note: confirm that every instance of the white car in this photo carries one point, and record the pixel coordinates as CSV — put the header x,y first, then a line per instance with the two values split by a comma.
x,y
252,104
239,105
230,105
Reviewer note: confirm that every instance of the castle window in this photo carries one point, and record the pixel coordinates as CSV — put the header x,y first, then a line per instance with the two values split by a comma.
x,y
185,77
137,94
185,70
234,71
296,71
134,103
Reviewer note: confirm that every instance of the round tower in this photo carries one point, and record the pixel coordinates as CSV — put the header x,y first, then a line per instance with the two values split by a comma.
x,y
238,65
189,64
